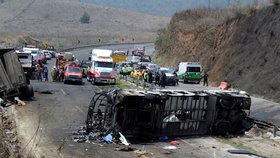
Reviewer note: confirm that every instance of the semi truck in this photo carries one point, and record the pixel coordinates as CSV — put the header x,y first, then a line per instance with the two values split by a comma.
x,y
189,72
102,67
13,81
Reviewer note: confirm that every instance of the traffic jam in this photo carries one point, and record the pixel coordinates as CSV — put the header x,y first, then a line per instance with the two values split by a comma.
x,y
105,66
116,115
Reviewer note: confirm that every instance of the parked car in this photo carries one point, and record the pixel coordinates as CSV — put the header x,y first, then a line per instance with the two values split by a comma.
x,y
73,73
152,67
135,59
170,77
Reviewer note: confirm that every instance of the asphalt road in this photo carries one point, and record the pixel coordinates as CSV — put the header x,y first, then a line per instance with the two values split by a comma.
x,y
46,124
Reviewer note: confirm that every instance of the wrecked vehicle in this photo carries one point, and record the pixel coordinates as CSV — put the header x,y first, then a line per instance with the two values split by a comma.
x,y
153,114
13,81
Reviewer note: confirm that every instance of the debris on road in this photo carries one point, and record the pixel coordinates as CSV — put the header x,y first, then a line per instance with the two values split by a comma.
x,y
174,142
123,139
108,138
127,149
245,152
44,92
19,102
170,147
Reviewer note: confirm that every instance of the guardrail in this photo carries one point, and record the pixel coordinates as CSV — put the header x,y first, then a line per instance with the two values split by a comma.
x,y
140,83
104,44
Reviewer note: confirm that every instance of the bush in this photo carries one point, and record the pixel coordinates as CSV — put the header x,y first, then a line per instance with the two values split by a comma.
x,y
85,18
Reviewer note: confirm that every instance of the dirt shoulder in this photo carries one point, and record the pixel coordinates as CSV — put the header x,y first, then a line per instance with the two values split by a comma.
x,y
10,145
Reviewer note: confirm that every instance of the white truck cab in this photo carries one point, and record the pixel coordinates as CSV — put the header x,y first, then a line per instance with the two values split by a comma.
x,y
102,67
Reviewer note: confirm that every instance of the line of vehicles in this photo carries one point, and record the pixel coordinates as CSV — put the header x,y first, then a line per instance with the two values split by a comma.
x,y
104,65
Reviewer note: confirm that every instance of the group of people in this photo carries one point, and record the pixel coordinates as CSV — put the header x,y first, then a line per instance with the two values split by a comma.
x,y
57,74
126,70
41,73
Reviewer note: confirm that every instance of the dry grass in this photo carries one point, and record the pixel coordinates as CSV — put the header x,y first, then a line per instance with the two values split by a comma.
x,y
58,22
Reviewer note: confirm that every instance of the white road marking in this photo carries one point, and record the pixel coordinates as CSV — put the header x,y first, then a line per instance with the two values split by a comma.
x,y
63,91
79,109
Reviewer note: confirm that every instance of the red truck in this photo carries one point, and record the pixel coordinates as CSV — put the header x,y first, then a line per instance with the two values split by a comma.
x,y
138,50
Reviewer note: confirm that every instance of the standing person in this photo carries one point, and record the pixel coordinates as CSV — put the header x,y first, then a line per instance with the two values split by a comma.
x,y
127,52
39,72
150,76
157,78
128,69
57,74
162,79
176,77
124,72
205,79
53,74
46,74
145,76
61,74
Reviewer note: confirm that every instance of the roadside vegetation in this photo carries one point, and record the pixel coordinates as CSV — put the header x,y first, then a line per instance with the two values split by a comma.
x,y
239,45
85,19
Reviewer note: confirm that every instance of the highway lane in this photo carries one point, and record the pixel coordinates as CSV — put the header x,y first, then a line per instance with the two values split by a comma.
x,y
52,118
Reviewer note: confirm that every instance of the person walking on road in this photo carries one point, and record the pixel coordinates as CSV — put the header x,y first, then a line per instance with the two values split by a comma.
x,y
205,79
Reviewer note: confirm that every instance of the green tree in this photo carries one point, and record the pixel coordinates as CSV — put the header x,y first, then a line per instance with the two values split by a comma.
x,y
85,18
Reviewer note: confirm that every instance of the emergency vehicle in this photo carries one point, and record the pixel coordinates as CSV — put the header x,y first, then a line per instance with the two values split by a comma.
x,y
102,67
119,56
189,72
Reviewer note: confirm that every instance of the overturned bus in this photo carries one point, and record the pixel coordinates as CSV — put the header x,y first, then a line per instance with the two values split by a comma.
x,y
169,113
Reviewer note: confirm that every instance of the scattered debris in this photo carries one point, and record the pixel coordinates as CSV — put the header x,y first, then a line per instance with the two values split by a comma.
x,y
174,142
244,152
108,138
123,139
170,147
143,154
163,138
44,92
19,102
127,149
79,139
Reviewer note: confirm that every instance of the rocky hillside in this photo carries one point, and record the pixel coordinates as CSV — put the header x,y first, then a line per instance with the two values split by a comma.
x,y
58,22
241,46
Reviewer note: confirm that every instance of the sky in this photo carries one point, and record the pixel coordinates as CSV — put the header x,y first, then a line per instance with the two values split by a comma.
x,y
167,7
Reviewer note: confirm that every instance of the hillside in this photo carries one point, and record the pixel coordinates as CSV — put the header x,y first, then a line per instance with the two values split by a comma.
x,y
58,21
241,47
